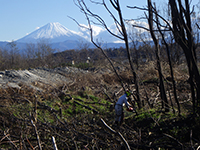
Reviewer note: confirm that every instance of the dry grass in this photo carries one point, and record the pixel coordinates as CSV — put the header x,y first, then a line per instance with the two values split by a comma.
x,y
78,125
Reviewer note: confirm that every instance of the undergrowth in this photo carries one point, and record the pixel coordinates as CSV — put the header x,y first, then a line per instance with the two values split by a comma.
x,y
74,116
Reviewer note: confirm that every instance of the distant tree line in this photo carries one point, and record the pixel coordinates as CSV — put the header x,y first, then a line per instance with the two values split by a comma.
x,y
42,55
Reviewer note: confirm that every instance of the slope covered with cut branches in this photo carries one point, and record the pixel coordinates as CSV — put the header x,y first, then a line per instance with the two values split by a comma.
x,y
71,104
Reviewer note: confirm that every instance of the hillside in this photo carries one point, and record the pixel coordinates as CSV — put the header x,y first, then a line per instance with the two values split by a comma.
x,y
72,105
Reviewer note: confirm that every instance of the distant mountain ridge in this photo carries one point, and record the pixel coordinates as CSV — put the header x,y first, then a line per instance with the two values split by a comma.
x,y
61,38
53,32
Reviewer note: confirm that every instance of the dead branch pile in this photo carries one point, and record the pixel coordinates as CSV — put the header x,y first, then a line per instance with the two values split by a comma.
x,y
55,118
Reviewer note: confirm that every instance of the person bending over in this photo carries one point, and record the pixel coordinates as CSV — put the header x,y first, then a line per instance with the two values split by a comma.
x,y
119,108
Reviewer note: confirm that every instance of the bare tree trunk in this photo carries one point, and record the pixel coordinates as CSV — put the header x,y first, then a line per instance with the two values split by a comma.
x,y
172,75
161,86
170,65
128,53
182,31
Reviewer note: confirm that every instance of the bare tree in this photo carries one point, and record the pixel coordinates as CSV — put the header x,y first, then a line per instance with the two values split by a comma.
x,y
134,39
30,54
122,33
169,60
157,48
183,34
44,53
181,27
13,54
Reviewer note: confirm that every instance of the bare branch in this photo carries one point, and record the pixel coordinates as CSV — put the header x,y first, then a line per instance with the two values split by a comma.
x,y
114,18
78,23
114,5
30,143
116,133
10,141
198,26
173,138
96,2
135,7
198,147
88,12
154,12
96,44
4,137
38,137
147,29
54,143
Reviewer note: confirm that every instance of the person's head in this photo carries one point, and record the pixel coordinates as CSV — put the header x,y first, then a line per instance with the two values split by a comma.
x,y
128,93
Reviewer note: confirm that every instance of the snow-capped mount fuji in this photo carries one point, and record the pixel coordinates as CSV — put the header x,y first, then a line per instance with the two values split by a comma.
x,y
60,38
53,32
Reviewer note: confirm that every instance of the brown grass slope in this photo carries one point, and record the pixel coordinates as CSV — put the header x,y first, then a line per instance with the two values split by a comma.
x,y
72,112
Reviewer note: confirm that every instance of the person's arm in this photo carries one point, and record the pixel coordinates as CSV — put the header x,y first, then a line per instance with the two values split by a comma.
x,y
127,103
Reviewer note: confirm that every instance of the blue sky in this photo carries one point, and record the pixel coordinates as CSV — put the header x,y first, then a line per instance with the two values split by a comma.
x,y
20,17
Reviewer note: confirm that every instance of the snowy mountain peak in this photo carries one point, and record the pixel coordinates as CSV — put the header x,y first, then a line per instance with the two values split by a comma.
x,y
54,32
